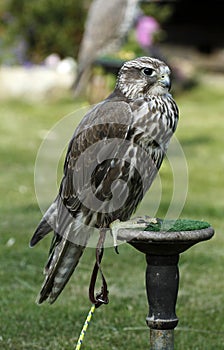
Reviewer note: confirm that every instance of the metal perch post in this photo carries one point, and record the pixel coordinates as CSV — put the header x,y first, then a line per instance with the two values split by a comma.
x,y
162,242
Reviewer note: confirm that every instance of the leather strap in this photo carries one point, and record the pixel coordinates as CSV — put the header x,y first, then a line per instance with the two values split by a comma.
x,y
101,297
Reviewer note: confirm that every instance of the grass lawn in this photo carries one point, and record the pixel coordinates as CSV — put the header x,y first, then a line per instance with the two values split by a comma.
x,y
121,324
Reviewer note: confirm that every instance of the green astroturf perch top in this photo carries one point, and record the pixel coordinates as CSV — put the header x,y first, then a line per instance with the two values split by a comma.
x,y
177,225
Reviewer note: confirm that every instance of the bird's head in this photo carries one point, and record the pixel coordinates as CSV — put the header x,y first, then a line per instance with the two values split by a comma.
x,y
142,77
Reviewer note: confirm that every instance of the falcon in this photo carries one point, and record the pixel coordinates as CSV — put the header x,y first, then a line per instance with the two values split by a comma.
x,y
106,27
112,159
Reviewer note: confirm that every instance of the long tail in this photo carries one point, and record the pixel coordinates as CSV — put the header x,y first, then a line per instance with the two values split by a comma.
x,y
46,225
64,253
61,264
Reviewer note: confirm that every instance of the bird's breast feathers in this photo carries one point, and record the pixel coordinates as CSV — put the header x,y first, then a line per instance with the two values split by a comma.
x,y
156,116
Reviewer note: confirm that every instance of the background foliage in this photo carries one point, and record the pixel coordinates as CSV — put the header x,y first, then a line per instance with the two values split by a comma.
x,y
43,26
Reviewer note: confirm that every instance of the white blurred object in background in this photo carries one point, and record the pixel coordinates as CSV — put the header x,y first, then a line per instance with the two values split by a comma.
x,y
38,82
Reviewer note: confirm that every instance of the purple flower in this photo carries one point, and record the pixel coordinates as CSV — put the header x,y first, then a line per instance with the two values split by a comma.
x,y
145,29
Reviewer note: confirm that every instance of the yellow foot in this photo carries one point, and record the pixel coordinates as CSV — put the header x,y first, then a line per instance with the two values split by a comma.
x,y
139,223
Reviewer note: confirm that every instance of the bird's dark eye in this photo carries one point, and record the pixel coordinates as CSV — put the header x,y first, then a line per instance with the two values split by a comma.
x,y
148,71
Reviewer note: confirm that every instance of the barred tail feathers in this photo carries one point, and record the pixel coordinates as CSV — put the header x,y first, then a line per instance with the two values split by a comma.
x,y
63,262
46,225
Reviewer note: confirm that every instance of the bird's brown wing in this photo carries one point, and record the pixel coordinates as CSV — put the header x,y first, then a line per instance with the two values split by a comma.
x,y
94,145
105,120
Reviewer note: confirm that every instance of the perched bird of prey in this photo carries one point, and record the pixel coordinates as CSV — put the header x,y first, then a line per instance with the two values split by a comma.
x,y
107,25
111,161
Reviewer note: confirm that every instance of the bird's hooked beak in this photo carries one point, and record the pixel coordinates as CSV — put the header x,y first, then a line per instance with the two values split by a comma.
x,y
165,81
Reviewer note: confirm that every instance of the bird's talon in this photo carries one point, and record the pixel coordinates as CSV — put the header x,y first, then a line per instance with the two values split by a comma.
x,y
116,249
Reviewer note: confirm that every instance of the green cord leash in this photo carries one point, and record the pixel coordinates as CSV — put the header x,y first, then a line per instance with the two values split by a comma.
x,y
100,298
85,326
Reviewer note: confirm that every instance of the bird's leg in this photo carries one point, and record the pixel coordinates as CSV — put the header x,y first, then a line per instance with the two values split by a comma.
x,y
117,225
114,227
